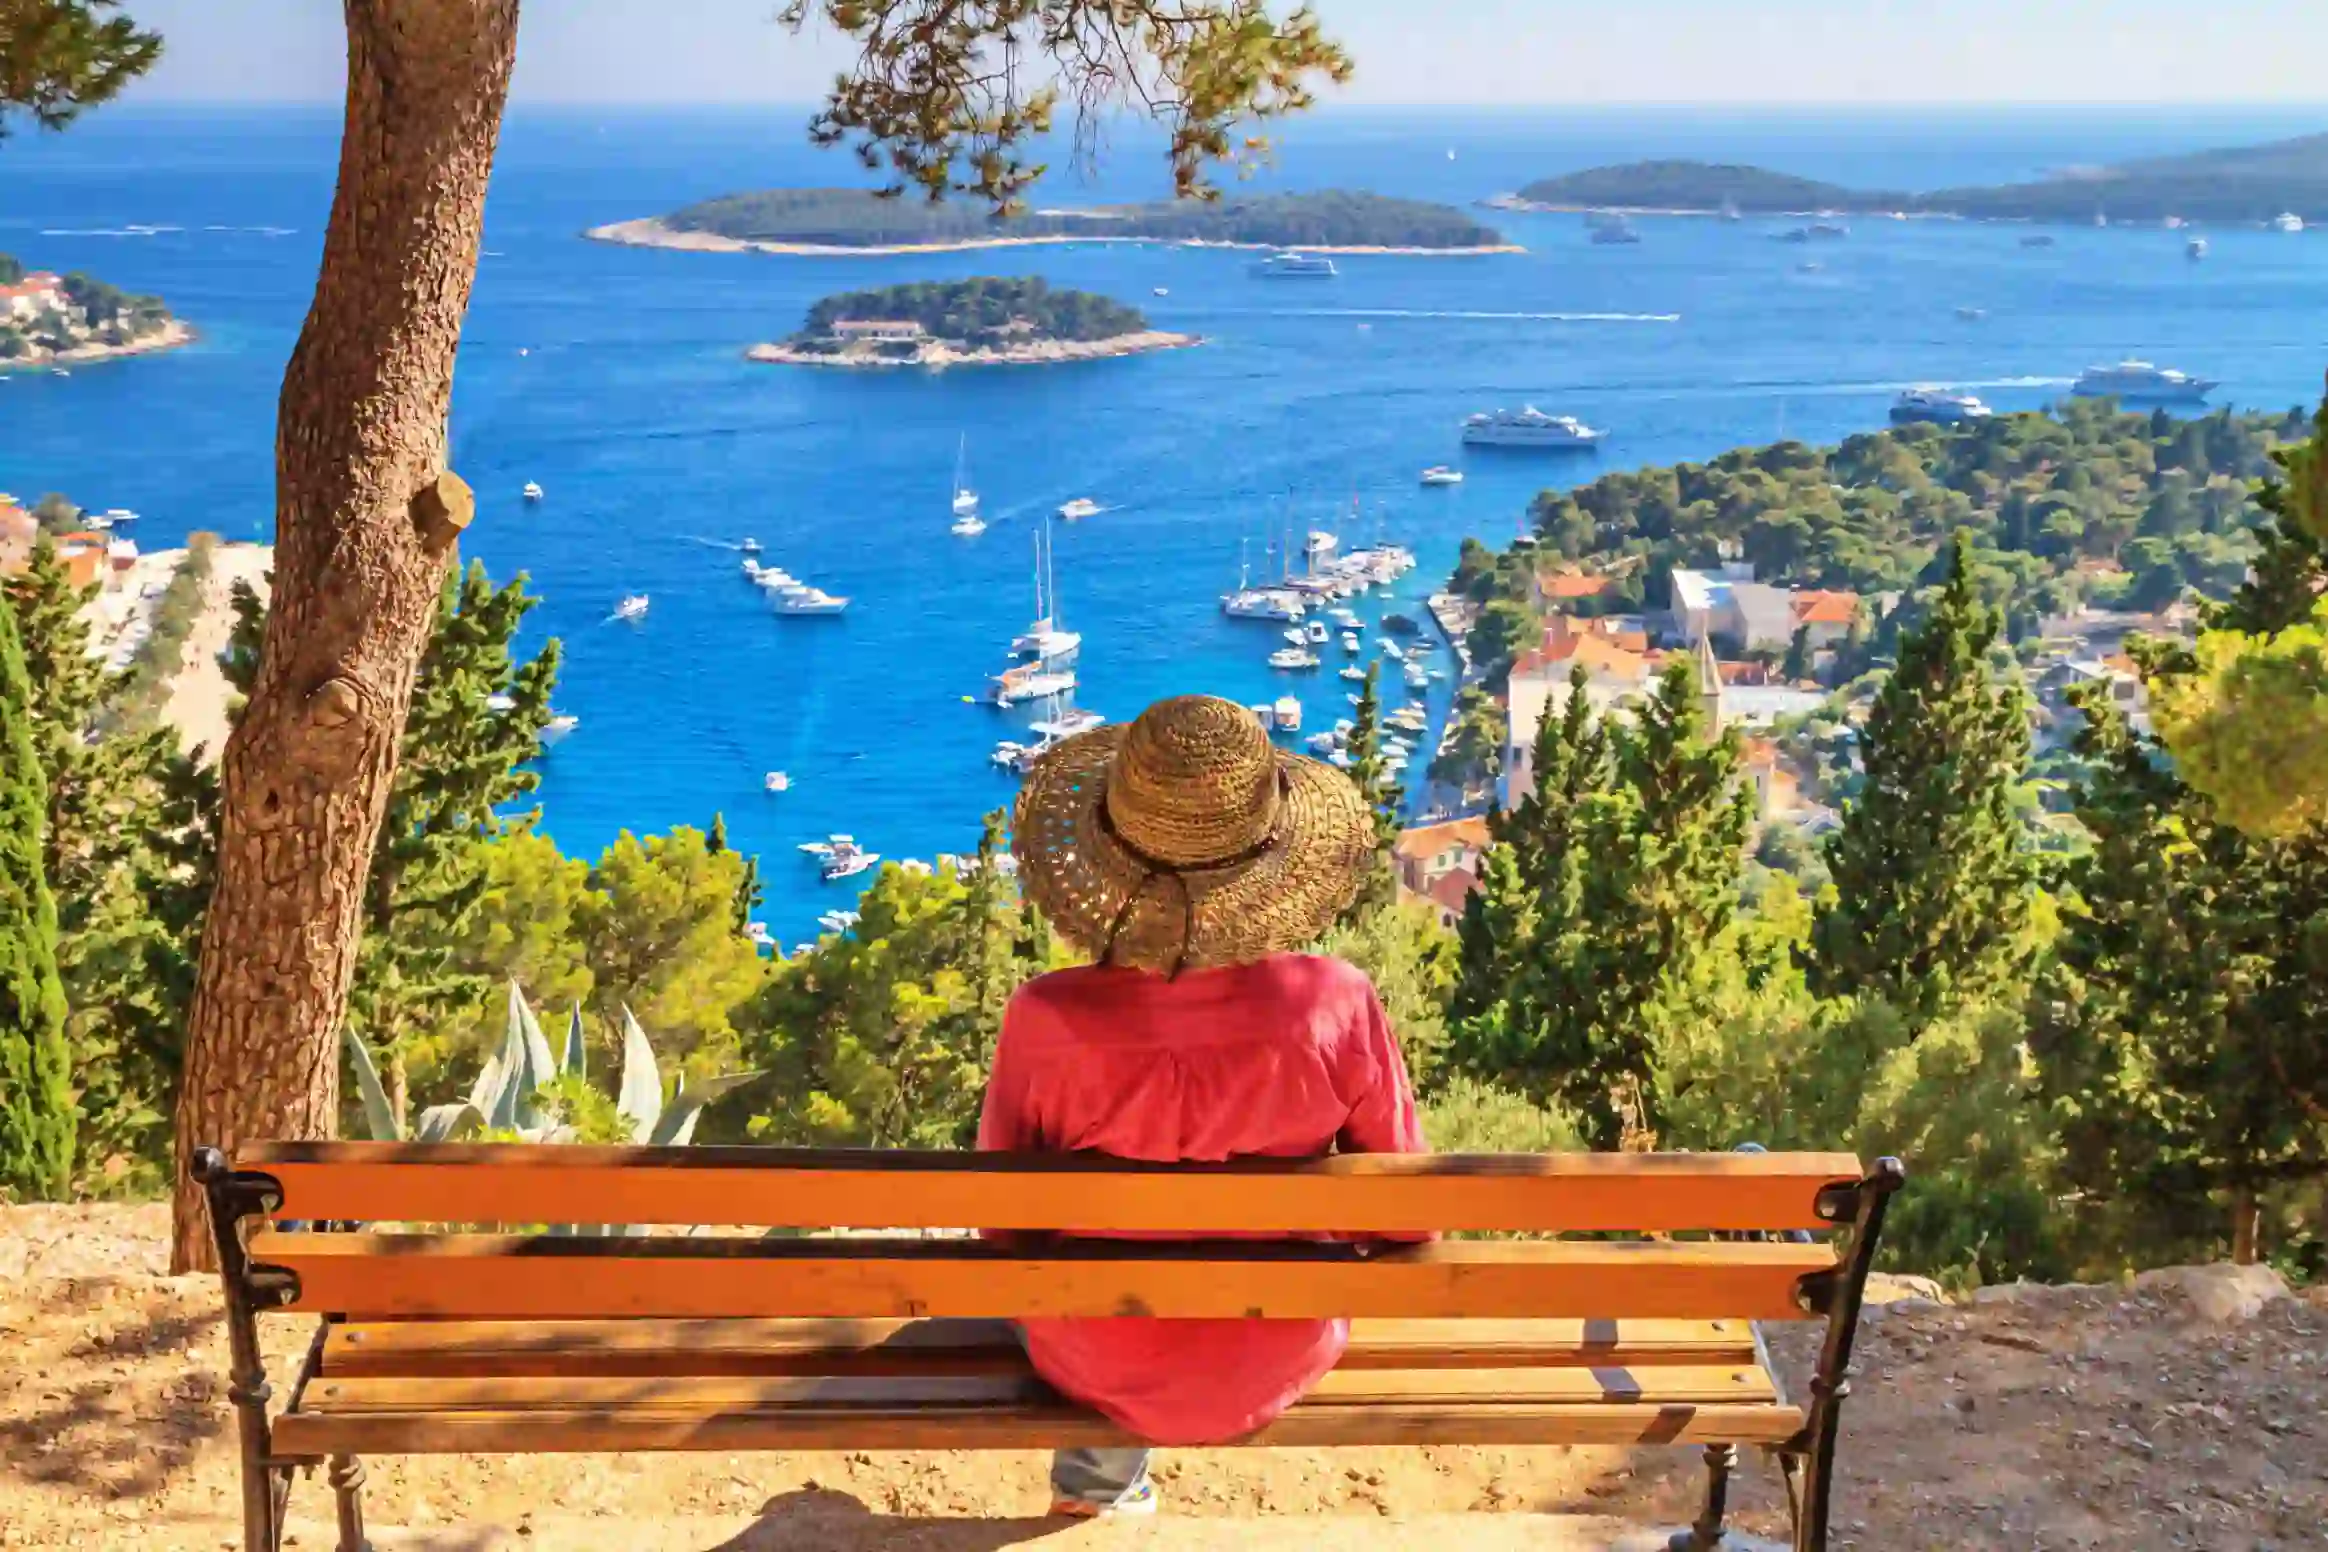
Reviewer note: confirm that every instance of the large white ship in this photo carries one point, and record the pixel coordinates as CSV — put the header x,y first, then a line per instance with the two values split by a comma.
x,y
2142,380
1528,427
1305,266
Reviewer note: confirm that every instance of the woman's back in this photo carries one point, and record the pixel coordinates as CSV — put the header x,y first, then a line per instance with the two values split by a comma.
x,y
1287,1056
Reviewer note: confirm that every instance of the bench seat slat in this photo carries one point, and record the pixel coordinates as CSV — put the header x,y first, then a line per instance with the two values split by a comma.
x,y
693,1396
421,1349
1052,1425
487,1183
365,1276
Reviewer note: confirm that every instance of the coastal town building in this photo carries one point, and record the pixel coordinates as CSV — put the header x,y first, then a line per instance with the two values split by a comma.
x,y
1439,865
32,297
1759,617
877,329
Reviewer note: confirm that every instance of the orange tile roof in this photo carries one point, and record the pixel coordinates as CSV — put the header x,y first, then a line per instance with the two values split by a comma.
x,y
1430,840
1571,584
1452,889
1818,608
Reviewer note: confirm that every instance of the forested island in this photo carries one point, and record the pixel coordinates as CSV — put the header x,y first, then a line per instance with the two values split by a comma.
x,y
985,321
2241,184
857,221
47,319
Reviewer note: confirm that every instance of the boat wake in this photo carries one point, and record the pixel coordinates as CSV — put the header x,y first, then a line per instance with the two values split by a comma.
x,y
1470,315
1814,390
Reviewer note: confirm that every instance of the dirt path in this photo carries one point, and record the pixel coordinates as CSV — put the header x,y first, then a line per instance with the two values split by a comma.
x,y
199,693
2059,1419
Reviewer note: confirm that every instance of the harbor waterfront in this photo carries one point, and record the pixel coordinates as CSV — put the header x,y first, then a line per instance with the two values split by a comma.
x,y
613,378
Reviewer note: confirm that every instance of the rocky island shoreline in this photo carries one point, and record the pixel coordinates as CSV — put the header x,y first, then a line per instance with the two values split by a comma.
x,y
654,232
50,321
981,322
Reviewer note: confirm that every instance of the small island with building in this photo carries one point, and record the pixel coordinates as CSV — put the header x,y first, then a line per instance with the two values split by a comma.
x,y
51,320
981,322
858,221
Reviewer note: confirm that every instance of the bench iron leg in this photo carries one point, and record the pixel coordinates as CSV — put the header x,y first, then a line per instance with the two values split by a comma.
x,y
231,1198
347,1486
1839,1301
1706,1534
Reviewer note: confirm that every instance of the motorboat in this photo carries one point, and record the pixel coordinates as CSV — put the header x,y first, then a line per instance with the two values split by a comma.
x,y
830,846
633,608
2196,248
1287,714
777,781
1972,315
750,546
1440,474
555,730
1417,677
115,517
1081,507
1006,753
811,600
1937,407
1354,674
1163,291
1296,636
1391,649
968,526
532,491
850,864
1296,266
1529,426
1344,617
1351,644
1292,658
837,921
2287,221
1317,633
1068,722
2142,380
759,935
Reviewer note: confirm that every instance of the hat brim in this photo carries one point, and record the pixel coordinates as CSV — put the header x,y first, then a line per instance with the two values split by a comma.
x,y
1093,890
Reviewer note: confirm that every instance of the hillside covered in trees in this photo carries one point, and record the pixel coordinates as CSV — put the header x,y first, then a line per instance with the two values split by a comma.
x,y
981,313
2236,184
2087,504
855,218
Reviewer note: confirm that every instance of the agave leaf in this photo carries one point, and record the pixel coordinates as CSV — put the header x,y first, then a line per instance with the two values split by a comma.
x,y
379,1116
506,1104
639,1098
539,1069
573,1062
676,1129
450,1123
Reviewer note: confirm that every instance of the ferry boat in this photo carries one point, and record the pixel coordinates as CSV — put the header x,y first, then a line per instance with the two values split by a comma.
x,y
1440,474
1307,266
2142,380
633,608
1292,658
1081,507
1528,427
1938,407
811,600
2287,221
532,491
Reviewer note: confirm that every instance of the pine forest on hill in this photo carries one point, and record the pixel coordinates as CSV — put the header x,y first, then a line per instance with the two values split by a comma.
x,y
982,312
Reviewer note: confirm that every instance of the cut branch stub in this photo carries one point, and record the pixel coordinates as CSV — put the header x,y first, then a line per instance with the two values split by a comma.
x,y
441,509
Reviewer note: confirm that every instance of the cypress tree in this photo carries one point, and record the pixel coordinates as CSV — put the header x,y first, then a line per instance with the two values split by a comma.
x,y
1382,795
37,1117
1933,886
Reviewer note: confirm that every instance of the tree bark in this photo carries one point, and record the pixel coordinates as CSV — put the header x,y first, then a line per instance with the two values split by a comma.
x,y
2246,1227
362,539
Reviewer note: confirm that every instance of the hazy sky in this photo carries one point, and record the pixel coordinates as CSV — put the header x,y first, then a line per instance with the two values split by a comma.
x,y
1472,52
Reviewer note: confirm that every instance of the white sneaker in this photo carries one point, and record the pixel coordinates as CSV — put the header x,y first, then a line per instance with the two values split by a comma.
x,y
1139,1503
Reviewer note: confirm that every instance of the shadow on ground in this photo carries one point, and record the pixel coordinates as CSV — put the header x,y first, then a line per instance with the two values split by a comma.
x,y
823,1520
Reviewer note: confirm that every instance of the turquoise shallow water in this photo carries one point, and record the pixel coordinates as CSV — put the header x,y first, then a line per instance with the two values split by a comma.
x,y
660,446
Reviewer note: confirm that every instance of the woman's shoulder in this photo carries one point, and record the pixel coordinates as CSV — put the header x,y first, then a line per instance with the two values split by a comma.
x,y
1320,975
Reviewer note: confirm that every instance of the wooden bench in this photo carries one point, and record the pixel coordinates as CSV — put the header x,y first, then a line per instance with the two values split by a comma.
x,y
454,1323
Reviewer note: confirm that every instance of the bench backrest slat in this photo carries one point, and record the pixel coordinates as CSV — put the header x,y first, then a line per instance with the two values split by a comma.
x,y
815,1189
520,1277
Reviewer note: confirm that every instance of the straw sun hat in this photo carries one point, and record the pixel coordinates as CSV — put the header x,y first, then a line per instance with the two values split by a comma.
x,y
1187,839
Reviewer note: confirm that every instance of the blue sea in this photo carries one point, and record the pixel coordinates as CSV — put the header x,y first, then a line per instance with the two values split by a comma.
x,y
615,377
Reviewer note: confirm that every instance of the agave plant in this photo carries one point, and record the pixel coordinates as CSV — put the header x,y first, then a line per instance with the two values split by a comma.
x,y
509,1096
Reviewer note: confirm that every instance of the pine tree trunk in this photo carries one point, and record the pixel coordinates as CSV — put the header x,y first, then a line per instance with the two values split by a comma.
x,y
365,523
2246,1227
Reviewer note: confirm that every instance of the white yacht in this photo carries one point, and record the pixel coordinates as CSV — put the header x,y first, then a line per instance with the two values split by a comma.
x,y
2142,380
116,516
1068,722
1354,674
837,921
532,491
1345,617
1262,603
1937,406
1440,474
1300,266
777,781
2287,221
1296,636
830,846
1290,658
811,600
965,499
750,546
850,863
1287,714
1317,633
968,526
1081,507
1031,682
1350,643
1417,677
558,727
1528,427
633,608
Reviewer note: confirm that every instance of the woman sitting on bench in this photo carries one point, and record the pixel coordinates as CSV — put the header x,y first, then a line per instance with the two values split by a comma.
x,y
1190,859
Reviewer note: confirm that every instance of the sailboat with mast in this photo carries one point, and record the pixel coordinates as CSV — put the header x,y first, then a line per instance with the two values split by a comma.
x,y
967,523
1044,654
